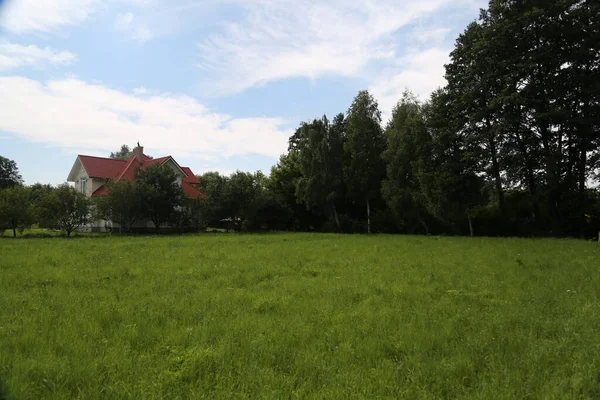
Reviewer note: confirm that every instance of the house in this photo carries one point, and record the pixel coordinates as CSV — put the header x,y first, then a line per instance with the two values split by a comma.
x,y
90,174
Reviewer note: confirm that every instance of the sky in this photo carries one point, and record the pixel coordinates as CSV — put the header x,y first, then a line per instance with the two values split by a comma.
x,y
218,84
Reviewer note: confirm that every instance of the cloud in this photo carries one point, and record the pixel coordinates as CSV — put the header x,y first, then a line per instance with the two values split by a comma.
x,y
136,29
22,16
13,55
140,90
123,20
220,170
421,71
71,113
26,16
301,38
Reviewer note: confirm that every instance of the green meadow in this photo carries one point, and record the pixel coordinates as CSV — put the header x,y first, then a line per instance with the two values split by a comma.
x,y
308,316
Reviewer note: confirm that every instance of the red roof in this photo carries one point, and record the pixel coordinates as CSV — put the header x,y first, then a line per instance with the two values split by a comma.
x,y
190,177
192,192
101,191
116,169
99,167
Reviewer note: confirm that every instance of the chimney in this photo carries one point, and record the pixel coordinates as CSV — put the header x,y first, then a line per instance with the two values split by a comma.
x,y
139,153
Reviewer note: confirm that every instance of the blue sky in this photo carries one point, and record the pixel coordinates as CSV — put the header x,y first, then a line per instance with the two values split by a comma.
x,y
219,85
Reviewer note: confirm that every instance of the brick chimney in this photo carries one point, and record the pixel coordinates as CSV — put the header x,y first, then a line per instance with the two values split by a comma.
x,y
139,153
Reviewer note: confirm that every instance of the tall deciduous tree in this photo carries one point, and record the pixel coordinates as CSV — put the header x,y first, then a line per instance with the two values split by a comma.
x,y
363,147
451,188
320,157
9,173
409,148
474,86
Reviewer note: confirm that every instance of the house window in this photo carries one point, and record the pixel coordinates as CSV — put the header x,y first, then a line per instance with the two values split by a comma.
x,y
83,185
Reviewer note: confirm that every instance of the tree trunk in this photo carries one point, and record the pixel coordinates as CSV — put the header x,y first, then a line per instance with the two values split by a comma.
x,y
368,217
422,221
497,177
496,168
470,224
14,231
530,177
337,220
581,191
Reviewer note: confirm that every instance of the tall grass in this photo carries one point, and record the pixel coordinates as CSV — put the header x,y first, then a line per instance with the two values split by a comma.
x,y
299,316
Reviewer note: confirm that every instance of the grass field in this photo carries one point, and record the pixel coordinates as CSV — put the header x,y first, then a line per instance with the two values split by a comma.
x,y
299,316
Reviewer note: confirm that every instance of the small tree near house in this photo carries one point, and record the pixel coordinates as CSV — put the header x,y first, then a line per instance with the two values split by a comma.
x,y
159,192
15,209
122,204
64,208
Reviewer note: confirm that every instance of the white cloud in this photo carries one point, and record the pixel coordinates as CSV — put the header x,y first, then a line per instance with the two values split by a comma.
x,y
140,90
123,20
23,16
13,55
71,113
137,30
300,38
421,71
220,170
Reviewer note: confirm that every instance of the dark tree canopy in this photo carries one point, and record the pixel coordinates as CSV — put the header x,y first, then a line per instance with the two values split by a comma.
x,y
122,204
16,212
159,193
363,147
9,173
122,153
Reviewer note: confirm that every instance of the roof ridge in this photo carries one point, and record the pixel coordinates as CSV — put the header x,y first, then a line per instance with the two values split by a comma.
x,y
101,158
131,159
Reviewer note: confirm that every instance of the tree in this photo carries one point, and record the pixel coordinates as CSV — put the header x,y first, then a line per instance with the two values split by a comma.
x,y
159,193
64,208
15,208
407,157
524,79
320,157
451,188
242,198
9,173
122,204
474,86
281,187
212,206
363,148
124,152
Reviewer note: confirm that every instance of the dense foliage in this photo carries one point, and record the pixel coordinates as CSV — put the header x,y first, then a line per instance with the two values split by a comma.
x,y
509,147
124,152
9,173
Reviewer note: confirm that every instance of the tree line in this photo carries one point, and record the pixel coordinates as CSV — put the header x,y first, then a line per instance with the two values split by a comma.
x,y
510,146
